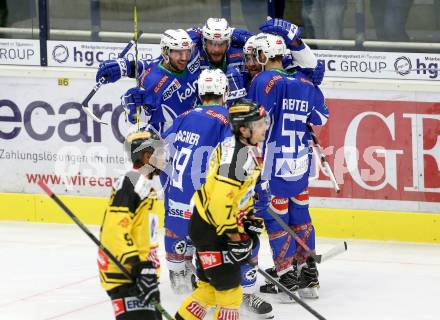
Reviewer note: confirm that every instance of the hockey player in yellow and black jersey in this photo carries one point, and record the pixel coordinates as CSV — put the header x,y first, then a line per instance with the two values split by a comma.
x,y
128,232
222,206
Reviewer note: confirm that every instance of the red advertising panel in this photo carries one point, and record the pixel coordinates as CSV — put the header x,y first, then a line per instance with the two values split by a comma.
x,y
385,150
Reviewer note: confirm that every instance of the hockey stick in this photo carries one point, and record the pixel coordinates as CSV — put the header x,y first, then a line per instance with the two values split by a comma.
x,y
323,159
338,249
290,293
75,219
85,103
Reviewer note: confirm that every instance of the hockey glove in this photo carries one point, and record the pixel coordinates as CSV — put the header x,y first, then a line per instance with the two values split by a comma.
x,y
136,98
253,228
113,70
261,197
239,37
235,84
145,276
289,31
240,251
316,75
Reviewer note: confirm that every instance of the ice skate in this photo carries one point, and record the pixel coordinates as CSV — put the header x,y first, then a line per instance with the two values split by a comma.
x,y
256,306
308,280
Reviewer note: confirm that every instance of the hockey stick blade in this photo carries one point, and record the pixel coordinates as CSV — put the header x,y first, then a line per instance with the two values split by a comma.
x,y
333,252
85,103
290,293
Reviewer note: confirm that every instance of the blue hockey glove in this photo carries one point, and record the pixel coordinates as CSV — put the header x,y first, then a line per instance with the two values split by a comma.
x,y
261,197
113,70
315,75
289,31
239,37
318,73
136,98
235,84
145,276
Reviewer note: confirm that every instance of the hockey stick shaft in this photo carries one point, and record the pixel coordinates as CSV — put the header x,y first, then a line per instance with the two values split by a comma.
x,y
118,264
323,159
338,249
290,293
101,82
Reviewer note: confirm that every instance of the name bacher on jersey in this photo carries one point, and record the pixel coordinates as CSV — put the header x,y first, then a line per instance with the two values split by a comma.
x,y
187,137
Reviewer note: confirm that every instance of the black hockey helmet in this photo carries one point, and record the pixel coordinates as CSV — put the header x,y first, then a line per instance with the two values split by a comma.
x,y
243,112
140,142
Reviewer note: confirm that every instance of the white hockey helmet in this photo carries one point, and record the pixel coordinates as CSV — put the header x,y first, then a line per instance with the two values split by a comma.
x,y
271,45
173,39
217,29
213,81
249,46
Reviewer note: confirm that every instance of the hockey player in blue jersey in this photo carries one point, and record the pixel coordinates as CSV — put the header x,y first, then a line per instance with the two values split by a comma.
x,y
168,87
192,138
292,104
218,45
299,61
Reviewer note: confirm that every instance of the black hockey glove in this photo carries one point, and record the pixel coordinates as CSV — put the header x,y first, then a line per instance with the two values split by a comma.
x,y
145,276
240,251
254,227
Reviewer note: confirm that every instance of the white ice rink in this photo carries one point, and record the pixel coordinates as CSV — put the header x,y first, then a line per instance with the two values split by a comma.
x,y
48,271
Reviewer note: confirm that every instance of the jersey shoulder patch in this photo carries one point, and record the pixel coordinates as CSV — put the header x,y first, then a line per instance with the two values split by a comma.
x,y
227,148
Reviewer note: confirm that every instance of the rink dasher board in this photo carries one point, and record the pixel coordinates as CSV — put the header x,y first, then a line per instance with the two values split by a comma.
x,y
388,108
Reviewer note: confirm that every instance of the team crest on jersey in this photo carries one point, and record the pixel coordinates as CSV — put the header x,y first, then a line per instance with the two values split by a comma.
x,y
160,83
271,83
173,87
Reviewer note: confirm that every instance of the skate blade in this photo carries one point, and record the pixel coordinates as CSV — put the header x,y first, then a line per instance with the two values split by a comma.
x,y
309,293
248,314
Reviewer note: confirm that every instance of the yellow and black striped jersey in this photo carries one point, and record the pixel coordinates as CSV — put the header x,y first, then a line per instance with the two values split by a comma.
x,y
129,229
227,195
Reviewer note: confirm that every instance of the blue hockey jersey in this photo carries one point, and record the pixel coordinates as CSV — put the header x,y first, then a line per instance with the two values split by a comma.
x,y
192,138
292,103
169,93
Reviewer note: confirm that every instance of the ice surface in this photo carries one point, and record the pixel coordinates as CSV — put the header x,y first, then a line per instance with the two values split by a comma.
x,y
49,272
